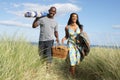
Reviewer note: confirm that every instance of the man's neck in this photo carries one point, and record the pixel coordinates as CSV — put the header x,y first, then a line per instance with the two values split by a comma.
x,y
50,17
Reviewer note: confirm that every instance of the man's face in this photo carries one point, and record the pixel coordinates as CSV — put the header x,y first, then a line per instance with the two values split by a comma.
x,y
52,12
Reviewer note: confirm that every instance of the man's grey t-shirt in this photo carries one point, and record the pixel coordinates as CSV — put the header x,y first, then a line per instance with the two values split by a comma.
x,y
47,28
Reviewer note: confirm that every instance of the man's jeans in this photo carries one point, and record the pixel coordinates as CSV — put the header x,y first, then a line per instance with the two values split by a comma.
x,y
45,50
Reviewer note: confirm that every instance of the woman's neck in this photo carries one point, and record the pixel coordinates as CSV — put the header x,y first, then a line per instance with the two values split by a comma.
x,y
73,24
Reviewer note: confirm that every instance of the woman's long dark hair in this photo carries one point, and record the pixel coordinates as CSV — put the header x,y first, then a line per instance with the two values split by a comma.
x,y
77,22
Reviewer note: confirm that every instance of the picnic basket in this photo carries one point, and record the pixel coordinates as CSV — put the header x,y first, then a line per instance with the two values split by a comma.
x,y
60,51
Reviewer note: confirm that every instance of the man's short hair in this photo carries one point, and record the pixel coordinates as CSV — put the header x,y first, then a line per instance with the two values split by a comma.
x,y
53,7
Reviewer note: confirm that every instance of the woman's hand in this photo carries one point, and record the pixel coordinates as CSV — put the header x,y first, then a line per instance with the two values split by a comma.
x,y
63,39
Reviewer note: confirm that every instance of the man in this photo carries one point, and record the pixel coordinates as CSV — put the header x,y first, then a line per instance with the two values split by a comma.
x,y
48,29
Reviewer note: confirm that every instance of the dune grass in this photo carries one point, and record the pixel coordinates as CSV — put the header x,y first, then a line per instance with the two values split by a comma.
x,y
102,63
19,60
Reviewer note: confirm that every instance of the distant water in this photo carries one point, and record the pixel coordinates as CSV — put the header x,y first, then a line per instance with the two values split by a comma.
x,y
104,46
34,43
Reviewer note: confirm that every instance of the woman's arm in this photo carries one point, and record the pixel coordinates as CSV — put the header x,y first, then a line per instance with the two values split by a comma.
x,y
66,35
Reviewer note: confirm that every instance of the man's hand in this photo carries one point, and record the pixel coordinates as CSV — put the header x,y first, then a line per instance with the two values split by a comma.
x,y
57,40
34,25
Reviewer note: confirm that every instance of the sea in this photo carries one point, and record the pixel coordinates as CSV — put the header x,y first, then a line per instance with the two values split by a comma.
x,y
92,46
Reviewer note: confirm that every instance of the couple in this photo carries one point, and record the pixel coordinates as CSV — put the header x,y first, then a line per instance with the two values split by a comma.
x,y
49,29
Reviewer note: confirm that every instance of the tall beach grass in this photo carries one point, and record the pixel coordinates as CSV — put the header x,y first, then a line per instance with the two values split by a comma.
x,y
19,60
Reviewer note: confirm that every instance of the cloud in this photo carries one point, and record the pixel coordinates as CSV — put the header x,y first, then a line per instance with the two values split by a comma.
x,y
73,1
116,26
14,23
16,5
66,8
61,8
20,9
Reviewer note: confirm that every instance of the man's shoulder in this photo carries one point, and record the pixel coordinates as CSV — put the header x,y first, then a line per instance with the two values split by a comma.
x,y
49,20
44,17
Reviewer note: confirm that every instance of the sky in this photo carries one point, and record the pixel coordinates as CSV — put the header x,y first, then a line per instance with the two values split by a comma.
x,y
100,18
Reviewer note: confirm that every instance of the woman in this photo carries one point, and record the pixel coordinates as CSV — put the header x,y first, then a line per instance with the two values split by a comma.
x,y
72,29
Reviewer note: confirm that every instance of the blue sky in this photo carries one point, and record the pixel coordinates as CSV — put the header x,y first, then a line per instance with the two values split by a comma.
x,y
101,18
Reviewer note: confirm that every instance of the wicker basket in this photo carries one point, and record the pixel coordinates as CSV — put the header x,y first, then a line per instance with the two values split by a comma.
x,y
60,51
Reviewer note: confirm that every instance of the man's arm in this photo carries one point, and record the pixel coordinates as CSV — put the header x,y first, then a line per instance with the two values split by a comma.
x,y
35,24
56,35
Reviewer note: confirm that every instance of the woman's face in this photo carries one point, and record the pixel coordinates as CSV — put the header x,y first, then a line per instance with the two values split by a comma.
x,y
74,18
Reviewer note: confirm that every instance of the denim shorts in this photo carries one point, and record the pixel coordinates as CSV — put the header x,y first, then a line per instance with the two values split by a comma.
x,y
45,50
